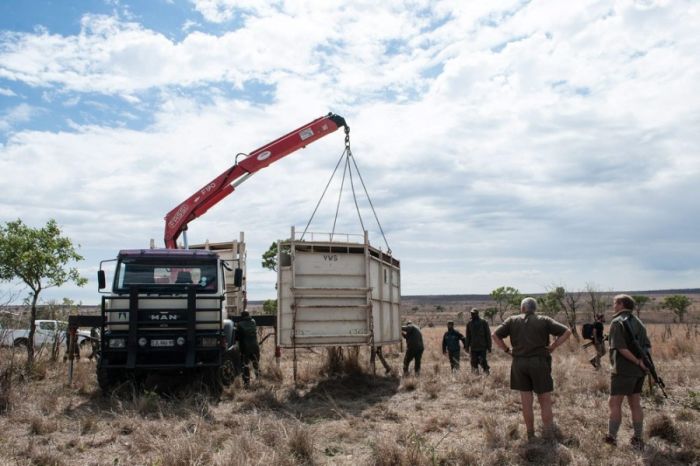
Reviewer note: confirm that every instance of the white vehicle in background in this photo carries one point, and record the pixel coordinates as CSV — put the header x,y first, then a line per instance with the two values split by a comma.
x,y
47,332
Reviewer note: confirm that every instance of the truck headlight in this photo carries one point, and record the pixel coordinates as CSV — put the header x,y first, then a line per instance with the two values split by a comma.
x,y
210,341
143,342
180,341
117,343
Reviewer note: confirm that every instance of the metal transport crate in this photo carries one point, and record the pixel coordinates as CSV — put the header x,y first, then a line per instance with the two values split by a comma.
x,y
336,292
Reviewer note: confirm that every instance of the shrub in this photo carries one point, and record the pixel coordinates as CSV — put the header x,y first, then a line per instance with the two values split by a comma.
x,y
301,445
6,393
662,426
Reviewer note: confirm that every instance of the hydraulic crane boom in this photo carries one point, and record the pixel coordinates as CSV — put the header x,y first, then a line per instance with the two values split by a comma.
x,y
176,220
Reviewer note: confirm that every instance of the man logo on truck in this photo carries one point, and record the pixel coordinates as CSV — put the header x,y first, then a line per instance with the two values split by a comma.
x,y
164,317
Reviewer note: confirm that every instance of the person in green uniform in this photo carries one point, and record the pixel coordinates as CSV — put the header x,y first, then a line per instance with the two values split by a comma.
x,y
94,342
478,342
247,338
414,347
598,341
531,368
450,345
627,369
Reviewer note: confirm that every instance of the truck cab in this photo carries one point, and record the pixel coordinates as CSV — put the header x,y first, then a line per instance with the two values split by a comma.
x,y
165,313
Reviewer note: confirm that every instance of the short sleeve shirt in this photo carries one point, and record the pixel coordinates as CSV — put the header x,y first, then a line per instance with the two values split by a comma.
x,y
529,333
618,339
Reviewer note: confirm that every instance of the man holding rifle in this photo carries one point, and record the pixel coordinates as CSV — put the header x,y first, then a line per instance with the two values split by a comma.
x,y
627,336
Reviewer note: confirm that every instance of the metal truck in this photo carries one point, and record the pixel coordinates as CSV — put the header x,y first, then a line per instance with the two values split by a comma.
x,y
167,309
165,313
47,332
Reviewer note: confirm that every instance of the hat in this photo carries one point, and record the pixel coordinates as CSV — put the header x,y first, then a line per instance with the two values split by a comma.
x,y
450,322
475,311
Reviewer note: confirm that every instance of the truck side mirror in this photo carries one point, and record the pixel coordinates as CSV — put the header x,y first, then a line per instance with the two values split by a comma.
x,y
238,277
101,282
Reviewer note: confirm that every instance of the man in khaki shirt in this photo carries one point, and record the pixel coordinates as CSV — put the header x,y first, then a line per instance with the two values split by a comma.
x,y
627,369
531,369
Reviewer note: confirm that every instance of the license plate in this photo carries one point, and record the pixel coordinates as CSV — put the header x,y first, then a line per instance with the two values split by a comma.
x,y
162,343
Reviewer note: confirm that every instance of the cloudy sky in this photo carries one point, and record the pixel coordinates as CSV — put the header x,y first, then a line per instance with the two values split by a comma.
x,y
521,143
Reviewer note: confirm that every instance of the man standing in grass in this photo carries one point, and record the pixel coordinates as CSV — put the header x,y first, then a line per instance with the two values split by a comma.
x,y
628,369
247,337
598,341
414,347
450,345
478,342
531,369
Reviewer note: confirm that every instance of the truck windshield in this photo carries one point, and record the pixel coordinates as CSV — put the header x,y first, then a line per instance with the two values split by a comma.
x,y
166,276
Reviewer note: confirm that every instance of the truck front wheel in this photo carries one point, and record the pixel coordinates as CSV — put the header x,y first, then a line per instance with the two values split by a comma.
x,y
219,377
23,342
108,377
230,368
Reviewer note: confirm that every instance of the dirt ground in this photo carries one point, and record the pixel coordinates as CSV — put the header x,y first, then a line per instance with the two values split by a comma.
x,y
349,418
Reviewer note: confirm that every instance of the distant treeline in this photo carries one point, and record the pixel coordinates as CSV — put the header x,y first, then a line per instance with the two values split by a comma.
x,y
453,298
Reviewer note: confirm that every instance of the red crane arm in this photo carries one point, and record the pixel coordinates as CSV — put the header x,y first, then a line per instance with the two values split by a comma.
x,y
176,220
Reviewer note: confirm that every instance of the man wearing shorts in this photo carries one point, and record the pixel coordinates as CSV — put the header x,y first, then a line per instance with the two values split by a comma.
x,y
531,369
627,369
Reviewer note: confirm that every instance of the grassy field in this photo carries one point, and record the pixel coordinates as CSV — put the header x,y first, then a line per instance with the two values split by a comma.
x,y
348,418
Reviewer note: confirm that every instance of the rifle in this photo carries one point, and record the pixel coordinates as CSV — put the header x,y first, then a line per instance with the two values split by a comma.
x,y
645,357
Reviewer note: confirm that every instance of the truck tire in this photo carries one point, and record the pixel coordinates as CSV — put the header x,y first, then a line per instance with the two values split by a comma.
x,y
230,367
108,378
218,378
21,342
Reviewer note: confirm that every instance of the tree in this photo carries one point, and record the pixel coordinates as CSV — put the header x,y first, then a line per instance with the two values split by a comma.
x,y
677,303
506,298
596,300
490,313
269,258
7,297
39,258
270,306
548,305
640,301
568,303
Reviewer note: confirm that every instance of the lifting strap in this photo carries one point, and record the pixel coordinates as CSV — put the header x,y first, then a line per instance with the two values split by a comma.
x,y
346,157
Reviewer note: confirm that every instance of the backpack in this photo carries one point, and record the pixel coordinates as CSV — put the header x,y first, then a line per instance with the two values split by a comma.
x,y
587,331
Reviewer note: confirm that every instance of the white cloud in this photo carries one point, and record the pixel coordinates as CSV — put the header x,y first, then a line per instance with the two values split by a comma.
x,y
7,92
18,114
189,25
521,144
219,11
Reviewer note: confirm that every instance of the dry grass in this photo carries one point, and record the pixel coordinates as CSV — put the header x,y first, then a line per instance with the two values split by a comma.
x,y
340,414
